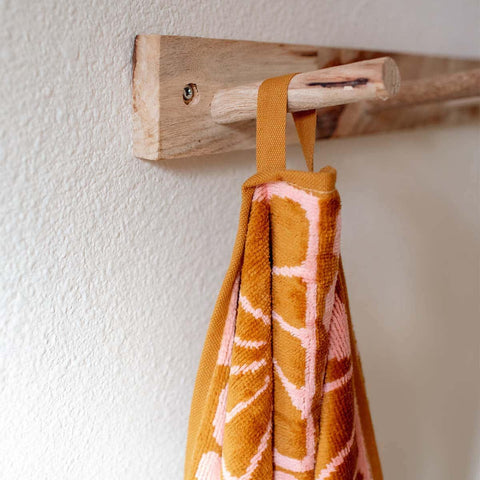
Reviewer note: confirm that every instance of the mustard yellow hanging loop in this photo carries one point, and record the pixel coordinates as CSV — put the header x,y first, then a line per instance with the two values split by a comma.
x,y
271,126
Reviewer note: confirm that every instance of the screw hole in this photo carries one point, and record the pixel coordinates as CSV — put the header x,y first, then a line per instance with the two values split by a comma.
x,y
190,91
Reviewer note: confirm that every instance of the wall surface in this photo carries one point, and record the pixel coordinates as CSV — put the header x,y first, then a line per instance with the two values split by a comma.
x,y
110,265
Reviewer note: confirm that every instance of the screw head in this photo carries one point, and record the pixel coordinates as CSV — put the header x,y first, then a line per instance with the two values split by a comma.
x,y
189,92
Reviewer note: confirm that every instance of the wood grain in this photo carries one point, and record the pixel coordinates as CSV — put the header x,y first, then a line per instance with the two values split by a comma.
x,y
165,127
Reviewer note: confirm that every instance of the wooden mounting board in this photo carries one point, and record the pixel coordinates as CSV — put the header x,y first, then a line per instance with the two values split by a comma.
x,y
165,127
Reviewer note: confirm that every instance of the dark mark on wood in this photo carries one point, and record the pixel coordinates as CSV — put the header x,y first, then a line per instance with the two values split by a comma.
x,y
308,53
347,83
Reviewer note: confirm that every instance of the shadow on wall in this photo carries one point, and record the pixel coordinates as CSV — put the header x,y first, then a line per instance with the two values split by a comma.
x,y
432,395
411,242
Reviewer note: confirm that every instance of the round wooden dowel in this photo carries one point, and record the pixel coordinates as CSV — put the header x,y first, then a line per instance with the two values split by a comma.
x,y
378,78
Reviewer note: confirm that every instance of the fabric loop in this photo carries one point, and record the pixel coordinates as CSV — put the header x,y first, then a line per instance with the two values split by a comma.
x,y
272,103
306,124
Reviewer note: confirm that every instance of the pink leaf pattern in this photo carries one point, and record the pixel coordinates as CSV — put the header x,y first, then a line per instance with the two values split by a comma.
x,y
284,396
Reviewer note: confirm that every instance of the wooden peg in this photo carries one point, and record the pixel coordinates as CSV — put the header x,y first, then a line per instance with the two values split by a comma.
x,y
378,78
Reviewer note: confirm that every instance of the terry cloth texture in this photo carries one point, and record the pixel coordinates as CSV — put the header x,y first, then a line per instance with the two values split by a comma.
x,y
280,393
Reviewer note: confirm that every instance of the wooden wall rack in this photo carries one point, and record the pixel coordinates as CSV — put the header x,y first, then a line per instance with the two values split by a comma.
x,y
197,96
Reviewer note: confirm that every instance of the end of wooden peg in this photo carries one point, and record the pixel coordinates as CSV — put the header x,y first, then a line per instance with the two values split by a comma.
x,y
391,79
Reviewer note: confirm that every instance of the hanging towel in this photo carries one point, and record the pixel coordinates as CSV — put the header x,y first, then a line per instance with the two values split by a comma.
x,y
280,393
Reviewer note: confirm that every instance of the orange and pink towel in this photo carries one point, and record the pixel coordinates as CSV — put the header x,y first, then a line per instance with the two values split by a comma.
x,y
280,393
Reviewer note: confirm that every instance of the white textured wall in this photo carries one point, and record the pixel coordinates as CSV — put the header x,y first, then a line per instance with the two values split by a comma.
x,y
110,266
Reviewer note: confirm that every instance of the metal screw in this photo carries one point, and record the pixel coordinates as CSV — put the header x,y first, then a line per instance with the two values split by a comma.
x,y
189,92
